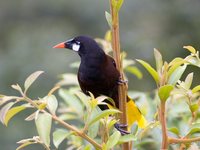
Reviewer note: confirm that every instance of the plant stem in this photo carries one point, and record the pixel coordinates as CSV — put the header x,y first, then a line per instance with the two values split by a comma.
x,y
177,140
78,132
163,125
122,89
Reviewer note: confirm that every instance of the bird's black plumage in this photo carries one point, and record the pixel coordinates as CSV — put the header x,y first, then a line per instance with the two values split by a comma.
x,y
97,72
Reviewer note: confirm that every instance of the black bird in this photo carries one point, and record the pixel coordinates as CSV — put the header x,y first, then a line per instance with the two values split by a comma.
x,y
98,73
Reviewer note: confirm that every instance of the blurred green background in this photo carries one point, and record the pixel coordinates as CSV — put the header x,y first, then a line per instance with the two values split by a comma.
x,y
29,29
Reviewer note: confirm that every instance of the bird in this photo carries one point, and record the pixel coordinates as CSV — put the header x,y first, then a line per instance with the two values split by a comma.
x,y
98,74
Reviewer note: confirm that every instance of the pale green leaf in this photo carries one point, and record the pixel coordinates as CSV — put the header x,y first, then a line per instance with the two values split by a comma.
x,y
71,100
135,71
29,81
52,104
193,131
24,145
176,63
5,99
17,87
194,107
174,130
188,81
164,92
113,139
150,69
119,4
190,48
87,147
158,58
12,112
127,138
43,125
68,79
84,99
4,111
102,115
196,89
176,75
59,135
108,18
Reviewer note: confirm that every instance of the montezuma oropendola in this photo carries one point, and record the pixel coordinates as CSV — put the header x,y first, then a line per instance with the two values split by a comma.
x,y
98,74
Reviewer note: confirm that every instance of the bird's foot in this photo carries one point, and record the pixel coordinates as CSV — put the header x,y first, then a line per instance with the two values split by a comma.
x,y
120,81
120,127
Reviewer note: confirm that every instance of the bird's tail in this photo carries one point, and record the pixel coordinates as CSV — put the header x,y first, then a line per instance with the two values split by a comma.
x,y
134,114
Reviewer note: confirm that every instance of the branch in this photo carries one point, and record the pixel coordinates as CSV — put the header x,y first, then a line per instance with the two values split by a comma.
x,y
163,125
122,89
188,140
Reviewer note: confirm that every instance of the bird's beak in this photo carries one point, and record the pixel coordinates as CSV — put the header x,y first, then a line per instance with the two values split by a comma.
x,y
60,45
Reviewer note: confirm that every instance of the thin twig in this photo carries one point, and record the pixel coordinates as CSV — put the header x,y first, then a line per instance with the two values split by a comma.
x,y
122,90
179,140
163,125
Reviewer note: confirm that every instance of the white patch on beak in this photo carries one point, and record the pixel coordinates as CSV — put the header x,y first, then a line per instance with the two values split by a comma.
x,y
75,47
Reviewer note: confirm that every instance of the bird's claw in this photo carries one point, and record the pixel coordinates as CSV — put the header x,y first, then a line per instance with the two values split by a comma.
x,y
120,81
119,127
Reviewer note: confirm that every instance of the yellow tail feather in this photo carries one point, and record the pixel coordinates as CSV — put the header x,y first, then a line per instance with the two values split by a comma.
x,y
134,114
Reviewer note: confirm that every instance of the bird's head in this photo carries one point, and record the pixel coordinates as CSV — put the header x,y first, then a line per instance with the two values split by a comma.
x,y
82,44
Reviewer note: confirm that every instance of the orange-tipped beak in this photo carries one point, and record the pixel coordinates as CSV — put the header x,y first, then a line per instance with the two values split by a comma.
x,y
60,45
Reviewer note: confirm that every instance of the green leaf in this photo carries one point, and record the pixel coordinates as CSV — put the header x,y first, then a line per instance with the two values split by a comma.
x,y
127,138
174,130
190,48
43,125
17,87
29,81
71,100
174,64
119,4
102,115
158,58
52,104
194,107
108,18
176,75
150,69
193,131
87,147
135,71
25,144
164,92
4,99
188,81
59,135
113,139
196,89
4,111
12,112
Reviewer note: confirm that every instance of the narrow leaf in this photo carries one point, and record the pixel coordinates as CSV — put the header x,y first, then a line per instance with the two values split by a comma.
x,y
102,115
135,71
194,107
52,104
174,130
196,89
119,4
127,138
43,125
12,112
4,111
29,81
108,19
176,75
59,135
188,81
193,131
164,92
150,69
190,48
113,139
158,58
24,145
